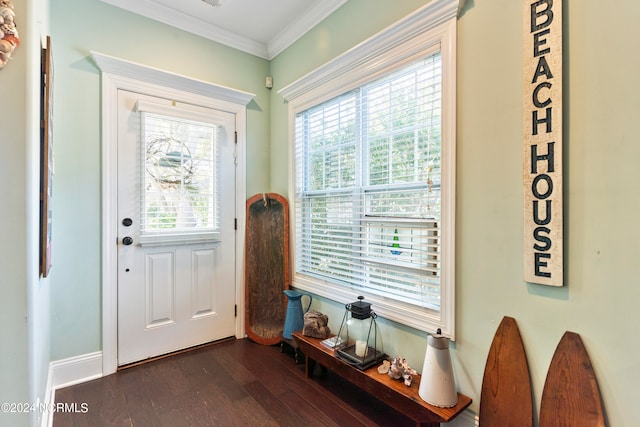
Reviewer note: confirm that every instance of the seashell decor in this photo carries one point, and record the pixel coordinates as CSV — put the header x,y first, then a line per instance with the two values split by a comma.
x,y
9,38
398,369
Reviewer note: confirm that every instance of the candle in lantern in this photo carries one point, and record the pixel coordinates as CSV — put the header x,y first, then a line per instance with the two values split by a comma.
x,y
361,348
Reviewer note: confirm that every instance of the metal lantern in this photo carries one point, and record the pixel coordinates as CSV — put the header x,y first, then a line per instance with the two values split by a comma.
x,y
359,335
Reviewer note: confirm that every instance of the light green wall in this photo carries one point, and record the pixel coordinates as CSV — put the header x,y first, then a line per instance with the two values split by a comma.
x,y
601,103
24,304
600,175
81,26
602,245
39,289
13,233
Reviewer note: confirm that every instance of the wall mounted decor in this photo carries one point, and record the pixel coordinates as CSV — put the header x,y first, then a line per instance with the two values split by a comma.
x,y
542,142
9,38
267,270
46,159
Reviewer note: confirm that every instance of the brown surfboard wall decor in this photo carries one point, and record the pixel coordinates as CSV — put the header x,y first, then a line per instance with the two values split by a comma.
x,y
506,399
571,397
266,267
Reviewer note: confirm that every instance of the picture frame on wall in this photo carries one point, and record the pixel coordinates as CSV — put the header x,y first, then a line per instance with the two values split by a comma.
x,y
46,158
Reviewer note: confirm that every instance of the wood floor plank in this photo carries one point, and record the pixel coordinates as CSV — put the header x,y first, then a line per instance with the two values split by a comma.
x,y
229,362
248,413
101,399
156,388
323,412
276,408
222,411
138,408
235,383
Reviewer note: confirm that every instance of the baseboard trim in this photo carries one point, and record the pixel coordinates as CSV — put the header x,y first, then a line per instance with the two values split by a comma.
x,y
67,372
75,370
466,419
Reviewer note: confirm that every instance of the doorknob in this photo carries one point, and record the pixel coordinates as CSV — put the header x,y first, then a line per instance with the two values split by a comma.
x,y
127,241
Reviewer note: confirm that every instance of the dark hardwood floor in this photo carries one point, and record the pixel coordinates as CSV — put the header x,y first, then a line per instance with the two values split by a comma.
x,y
233,383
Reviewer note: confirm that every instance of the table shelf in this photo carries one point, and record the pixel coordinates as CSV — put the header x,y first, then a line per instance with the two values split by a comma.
x,y
392,392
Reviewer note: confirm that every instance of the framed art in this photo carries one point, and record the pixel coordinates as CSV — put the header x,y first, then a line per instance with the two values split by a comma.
x,y
46,158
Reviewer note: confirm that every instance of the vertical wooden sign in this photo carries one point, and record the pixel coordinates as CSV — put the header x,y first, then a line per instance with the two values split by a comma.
x,y
542,142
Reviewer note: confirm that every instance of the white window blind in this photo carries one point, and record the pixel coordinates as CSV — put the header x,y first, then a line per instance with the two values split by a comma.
x,y
368,186
179,200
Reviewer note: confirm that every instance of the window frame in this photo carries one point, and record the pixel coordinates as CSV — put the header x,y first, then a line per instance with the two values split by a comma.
x,y
193,115
428,30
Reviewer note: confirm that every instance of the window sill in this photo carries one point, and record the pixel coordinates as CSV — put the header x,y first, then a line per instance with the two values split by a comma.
x,y
420,318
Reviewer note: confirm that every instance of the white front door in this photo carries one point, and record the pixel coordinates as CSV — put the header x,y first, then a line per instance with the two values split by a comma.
x,y
176,233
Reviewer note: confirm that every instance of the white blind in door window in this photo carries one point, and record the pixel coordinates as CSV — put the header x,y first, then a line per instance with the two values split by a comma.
x,y
179,182
368,186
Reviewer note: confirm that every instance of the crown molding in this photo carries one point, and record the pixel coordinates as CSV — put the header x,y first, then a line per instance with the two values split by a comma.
x,y
402,33
182,21
301,26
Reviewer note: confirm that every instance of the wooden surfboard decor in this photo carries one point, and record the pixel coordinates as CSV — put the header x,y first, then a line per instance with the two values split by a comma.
x,y
267,267
505,399
571,397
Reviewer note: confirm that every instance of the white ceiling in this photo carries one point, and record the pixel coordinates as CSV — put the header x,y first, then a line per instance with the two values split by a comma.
x,y
260,27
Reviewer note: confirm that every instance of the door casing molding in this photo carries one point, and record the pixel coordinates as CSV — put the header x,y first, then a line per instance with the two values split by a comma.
x,y
117,75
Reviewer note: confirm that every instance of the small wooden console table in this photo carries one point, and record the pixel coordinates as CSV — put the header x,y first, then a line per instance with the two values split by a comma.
x,y
392,392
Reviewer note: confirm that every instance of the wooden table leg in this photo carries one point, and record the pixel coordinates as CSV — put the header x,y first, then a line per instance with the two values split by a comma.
x,y
309,366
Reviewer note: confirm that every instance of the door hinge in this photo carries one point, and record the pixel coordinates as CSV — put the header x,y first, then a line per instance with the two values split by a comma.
x,y
235,223
235,310
236,137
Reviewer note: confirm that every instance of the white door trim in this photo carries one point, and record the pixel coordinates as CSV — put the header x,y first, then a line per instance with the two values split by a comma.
x,y
119,74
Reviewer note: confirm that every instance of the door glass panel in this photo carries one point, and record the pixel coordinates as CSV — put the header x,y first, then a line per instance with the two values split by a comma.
x,y
179,180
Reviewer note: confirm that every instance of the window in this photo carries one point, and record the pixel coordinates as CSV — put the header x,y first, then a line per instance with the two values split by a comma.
x,y
374,174
368,186
179,197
